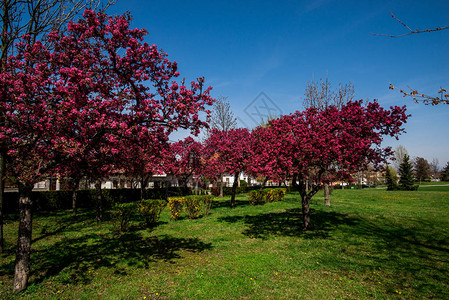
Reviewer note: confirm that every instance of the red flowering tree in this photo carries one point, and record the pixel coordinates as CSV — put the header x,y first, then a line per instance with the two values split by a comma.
x,y
97,85
266,160
231,150
323,145
184,159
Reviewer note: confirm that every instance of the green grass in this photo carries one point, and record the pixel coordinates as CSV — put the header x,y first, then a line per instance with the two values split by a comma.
x,y
368,244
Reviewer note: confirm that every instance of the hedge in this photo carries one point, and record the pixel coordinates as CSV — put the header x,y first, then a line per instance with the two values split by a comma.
x,y
60,200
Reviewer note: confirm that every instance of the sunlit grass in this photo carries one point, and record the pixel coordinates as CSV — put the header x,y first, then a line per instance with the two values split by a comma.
x,y
368,244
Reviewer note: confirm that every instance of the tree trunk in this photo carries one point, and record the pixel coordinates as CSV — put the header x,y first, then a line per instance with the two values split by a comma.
x,y
234,189
99,202
143,185
327,200
23,252
75,187
265,182
221,186
306,211
2,191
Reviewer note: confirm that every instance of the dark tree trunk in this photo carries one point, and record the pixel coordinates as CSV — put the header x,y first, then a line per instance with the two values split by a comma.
x,y
327,200
306,196
2,191
99,202
221,186
306,211
234,189
143,186
23,252
265,182
75,187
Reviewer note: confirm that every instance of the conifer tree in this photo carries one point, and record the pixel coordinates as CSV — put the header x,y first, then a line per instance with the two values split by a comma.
x,y
445,173
406,180
390,179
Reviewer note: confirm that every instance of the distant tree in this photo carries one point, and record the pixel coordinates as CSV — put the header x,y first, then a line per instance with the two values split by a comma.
x,y
445,173
391,178
435,167
231,149
320,95
222,116
399,153
422,169
417,96
406,179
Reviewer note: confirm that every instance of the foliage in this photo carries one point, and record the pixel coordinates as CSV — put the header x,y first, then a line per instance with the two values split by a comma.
x,y
243,183
257,197
228,151
215,191
274,195
59,200
390,179
422,169
207,203
444,176
184,159
175,205
150,210
121,216
406,178
318,146
193,205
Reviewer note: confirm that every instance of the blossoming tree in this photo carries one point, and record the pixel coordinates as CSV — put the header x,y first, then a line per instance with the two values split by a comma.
x,y
97,84
323,145
231,149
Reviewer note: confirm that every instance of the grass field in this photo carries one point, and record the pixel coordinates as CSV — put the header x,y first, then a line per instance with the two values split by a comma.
x,y
368,244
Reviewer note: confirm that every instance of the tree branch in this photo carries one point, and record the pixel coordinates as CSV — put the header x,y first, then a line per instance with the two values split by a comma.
x,y
411,31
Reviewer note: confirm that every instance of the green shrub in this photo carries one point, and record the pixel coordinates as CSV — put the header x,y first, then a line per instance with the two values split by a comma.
x,y
257,197
193,205
121,216
215,191
207,203
280,194
270,195
175,205
150,210
243,184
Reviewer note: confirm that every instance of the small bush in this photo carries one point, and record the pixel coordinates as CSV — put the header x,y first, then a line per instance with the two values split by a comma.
x,y
280,194
193,205
150,210
207,203
215,191
243,184
270,195
175,205
121,216
257,197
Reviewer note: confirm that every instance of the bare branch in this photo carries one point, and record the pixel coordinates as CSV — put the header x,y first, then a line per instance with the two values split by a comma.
x,y
411,31
443,97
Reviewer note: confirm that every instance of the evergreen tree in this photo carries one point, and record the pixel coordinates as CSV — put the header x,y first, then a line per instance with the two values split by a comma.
x,y
445,173
390,179
406,178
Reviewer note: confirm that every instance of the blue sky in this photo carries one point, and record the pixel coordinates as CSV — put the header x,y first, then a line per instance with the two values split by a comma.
x,y
245,48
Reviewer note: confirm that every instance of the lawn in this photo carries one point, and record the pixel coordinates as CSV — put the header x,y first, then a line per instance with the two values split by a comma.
x,y
369,244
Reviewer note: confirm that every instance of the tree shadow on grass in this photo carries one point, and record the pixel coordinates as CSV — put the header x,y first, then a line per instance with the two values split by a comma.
x,y
227,203
289,223
76,257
